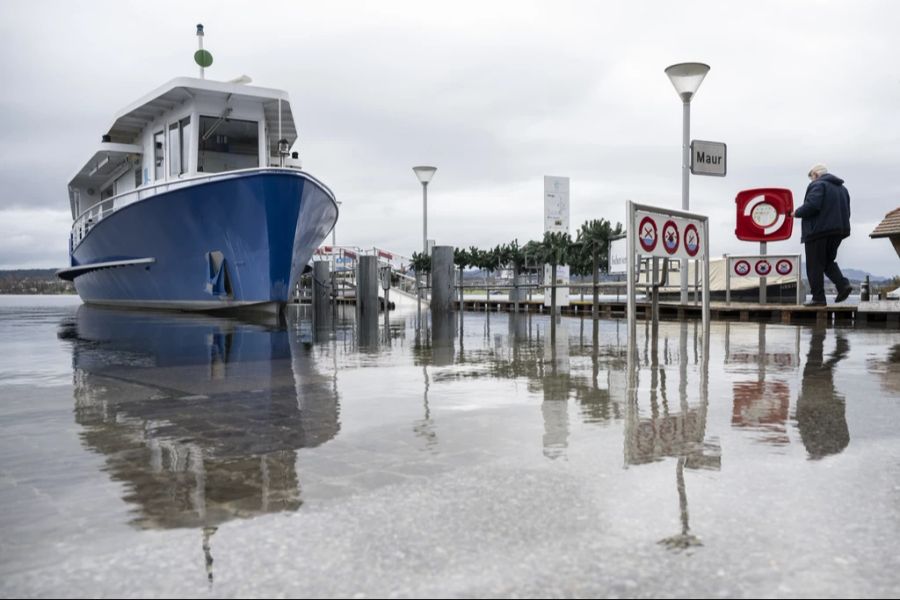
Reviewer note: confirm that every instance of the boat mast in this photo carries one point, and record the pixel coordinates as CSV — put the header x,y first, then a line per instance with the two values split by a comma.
x,y
200,50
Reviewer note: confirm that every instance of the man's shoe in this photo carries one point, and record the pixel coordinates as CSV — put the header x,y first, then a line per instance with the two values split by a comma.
x,y
843,294
816,303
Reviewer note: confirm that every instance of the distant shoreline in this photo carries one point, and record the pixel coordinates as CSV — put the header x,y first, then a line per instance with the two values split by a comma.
x,y
43,282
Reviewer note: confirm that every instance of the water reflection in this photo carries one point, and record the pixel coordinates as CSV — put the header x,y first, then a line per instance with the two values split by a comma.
x,y
551,367
889,370
761,405
820,409
200,418
669,430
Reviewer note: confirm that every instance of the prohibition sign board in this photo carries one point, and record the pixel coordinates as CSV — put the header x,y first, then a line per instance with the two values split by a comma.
x,y
763,267
784,267
691,240
671,237
647,234
742,268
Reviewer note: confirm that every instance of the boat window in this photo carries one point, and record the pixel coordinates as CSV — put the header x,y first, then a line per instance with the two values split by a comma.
x,y
227,144
178,133
159,156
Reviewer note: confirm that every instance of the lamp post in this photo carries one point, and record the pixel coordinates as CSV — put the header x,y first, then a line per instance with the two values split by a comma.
x,y
686,77
424,174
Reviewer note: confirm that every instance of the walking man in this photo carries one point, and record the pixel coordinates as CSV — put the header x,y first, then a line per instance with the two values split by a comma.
x,y
826,222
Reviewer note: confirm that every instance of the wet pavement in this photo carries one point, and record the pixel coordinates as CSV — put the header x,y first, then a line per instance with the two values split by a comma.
x,y
153,454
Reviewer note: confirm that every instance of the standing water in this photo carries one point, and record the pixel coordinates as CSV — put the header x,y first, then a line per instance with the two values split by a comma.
x,y
161,454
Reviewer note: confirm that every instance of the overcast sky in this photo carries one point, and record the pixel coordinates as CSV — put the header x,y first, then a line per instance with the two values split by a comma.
x,y
495,94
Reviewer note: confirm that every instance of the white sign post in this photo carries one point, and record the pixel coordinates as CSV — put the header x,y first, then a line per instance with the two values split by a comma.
x,y
556,219
666,233
708,158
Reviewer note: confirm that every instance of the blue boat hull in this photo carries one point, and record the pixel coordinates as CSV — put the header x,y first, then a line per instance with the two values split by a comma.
x,y
236,242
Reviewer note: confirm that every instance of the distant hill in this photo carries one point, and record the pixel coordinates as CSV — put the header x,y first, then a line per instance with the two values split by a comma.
x,y
15,273
860,275
33,281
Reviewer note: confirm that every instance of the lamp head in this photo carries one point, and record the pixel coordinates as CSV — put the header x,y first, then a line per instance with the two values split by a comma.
x,y
687,77
424,173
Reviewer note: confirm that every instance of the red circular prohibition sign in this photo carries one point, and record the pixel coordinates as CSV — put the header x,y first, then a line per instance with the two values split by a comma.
x,y
784,266
691,240
670,237
647,234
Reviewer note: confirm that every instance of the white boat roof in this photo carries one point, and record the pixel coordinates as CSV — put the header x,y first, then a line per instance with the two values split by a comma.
x,y
108,157
131,120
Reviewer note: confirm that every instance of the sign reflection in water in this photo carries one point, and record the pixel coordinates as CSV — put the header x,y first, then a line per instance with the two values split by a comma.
x,y
670,431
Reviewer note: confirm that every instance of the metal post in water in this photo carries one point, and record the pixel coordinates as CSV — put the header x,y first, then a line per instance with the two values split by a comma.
x,y
442,270
727,279
654,294
321,286
386,287
367,287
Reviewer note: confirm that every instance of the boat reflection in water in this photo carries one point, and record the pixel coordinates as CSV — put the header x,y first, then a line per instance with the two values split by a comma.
x,y
201,418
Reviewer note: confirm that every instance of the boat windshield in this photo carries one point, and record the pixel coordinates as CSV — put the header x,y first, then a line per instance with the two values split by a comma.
x,y
227,145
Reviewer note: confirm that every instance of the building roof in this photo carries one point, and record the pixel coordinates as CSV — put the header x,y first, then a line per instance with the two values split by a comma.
x,y
889,226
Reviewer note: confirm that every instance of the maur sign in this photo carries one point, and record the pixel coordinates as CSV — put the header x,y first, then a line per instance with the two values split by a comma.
x,y
708,158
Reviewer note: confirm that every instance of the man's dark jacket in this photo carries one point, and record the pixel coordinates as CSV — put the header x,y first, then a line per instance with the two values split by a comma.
x,y
826,209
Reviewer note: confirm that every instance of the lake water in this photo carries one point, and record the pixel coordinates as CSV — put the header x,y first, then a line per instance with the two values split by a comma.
x,y
161,454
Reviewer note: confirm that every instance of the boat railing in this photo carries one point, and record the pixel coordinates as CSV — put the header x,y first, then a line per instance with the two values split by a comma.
x,y
104,208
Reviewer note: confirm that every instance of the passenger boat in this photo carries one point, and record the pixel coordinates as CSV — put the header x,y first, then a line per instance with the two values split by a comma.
x,y
194,201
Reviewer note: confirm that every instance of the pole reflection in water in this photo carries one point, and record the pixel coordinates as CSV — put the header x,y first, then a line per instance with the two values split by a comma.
x,y
434,347
665,433
200,418
557,387
367,328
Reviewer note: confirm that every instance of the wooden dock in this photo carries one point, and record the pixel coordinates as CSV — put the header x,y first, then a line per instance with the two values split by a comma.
x,y
837,314
848,315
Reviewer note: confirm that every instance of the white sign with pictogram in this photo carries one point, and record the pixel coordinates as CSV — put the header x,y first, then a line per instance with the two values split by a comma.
x,y
668,236
761,265
665,233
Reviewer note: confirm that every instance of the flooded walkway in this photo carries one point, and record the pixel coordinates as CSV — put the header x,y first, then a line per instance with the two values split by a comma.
x,y
152,454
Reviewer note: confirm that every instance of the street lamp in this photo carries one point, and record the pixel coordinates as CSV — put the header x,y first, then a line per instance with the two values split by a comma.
x,y
424,174
686,77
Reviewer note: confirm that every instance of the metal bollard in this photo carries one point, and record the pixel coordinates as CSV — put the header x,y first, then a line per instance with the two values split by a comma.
x,y
442,272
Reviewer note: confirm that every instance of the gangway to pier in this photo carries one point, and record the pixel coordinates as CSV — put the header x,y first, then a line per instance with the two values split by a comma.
x,y
344,261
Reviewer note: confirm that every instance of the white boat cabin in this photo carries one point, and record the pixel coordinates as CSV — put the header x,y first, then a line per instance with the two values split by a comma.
x,y
182,132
